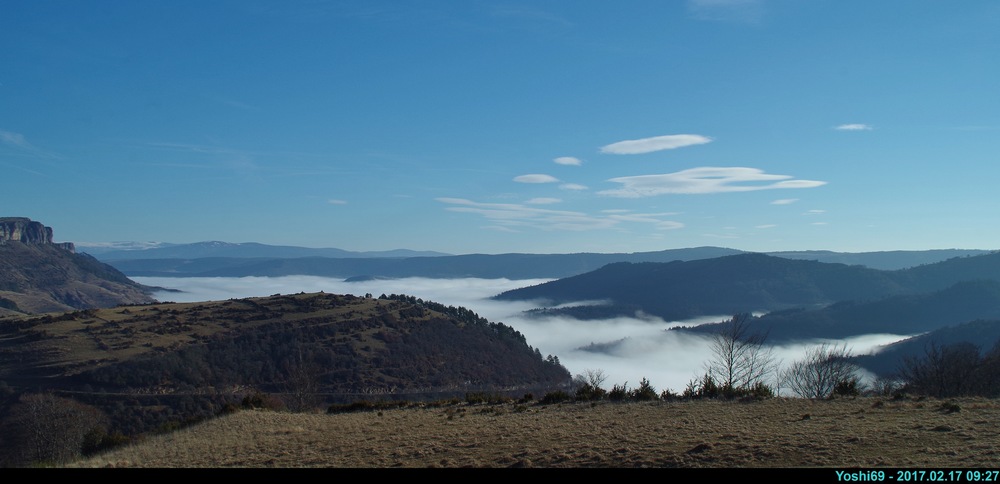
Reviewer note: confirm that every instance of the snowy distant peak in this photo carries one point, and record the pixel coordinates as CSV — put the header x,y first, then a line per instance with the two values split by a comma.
x,y
95,248
217,243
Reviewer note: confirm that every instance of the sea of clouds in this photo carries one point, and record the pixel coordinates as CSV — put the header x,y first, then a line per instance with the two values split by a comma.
x,y
669,359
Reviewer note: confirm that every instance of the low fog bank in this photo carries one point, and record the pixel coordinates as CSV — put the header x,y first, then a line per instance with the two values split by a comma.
x,y
669,359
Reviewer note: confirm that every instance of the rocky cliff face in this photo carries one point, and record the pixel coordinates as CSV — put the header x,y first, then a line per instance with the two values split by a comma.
x,y
38,275
27,231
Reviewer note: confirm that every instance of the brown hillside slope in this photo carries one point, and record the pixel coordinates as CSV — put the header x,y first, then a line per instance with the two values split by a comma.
x,y
864,432
347,344
39,278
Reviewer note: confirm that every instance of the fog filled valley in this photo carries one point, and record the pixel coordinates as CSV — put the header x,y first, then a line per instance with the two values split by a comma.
x,y
143,370
670,360
95,361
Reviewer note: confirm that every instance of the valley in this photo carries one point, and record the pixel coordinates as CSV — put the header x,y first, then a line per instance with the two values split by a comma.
x,y
161,366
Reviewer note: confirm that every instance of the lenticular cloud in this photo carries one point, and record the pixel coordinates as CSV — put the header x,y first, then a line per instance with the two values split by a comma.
x,y
704,180
657,143
536,178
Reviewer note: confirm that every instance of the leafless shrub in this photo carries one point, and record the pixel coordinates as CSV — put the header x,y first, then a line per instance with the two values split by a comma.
x,y
944,371
588,385
594,378
825,370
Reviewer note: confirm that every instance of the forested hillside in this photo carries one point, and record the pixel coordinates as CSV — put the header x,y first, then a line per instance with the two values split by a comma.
x,y
164,364
723,285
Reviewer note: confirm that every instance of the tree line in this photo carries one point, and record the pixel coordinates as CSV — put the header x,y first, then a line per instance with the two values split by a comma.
x,y
45,428
742,365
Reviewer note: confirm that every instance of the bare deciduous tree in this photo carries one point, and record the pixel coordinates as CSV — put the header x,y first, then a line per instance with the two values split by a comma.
x,y
821,371
594,378
588,384
944,371
302,385
47,428
740,359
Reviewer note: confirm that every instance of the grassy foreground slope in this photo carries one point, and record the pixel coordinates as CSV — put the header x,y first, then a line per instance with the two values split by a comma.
x,y
862,432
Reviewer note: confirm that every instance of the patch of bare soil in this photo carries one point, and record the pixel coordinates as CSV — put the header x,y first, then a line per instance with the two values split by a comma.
x,y
863,432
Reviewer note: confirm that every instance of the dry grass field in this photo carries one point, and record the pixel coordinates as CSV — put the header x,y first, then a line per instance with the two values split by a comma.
x,y
862,432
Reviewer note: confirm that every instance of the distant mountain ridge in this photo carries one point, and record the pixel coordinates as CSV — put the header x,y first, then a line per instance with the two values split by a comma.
x,y
804,300
901,314
724,285
238,250
884,260
749,282
512,266
980,333
221,259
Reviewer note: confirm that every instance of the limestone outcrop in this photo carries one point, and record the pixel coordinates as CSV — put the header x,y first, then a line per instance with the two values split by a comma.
x,y
27,231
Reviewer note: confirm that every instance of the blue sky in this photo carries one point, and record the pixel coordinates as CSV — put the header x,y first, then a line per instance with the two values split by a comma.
x,y
474,126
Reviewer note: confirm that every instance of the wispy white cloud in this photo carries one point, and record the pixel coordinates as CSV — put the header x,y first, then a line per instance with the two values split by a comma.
x,y
543,201
19,143
704,180
513,216
16,140
568,160
204,149
501,228
815,212
650,218
615,210
819,223
334,201
223,150
766,226
536,178
785,201
656,143
853,127
641,217
572,186
669,225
